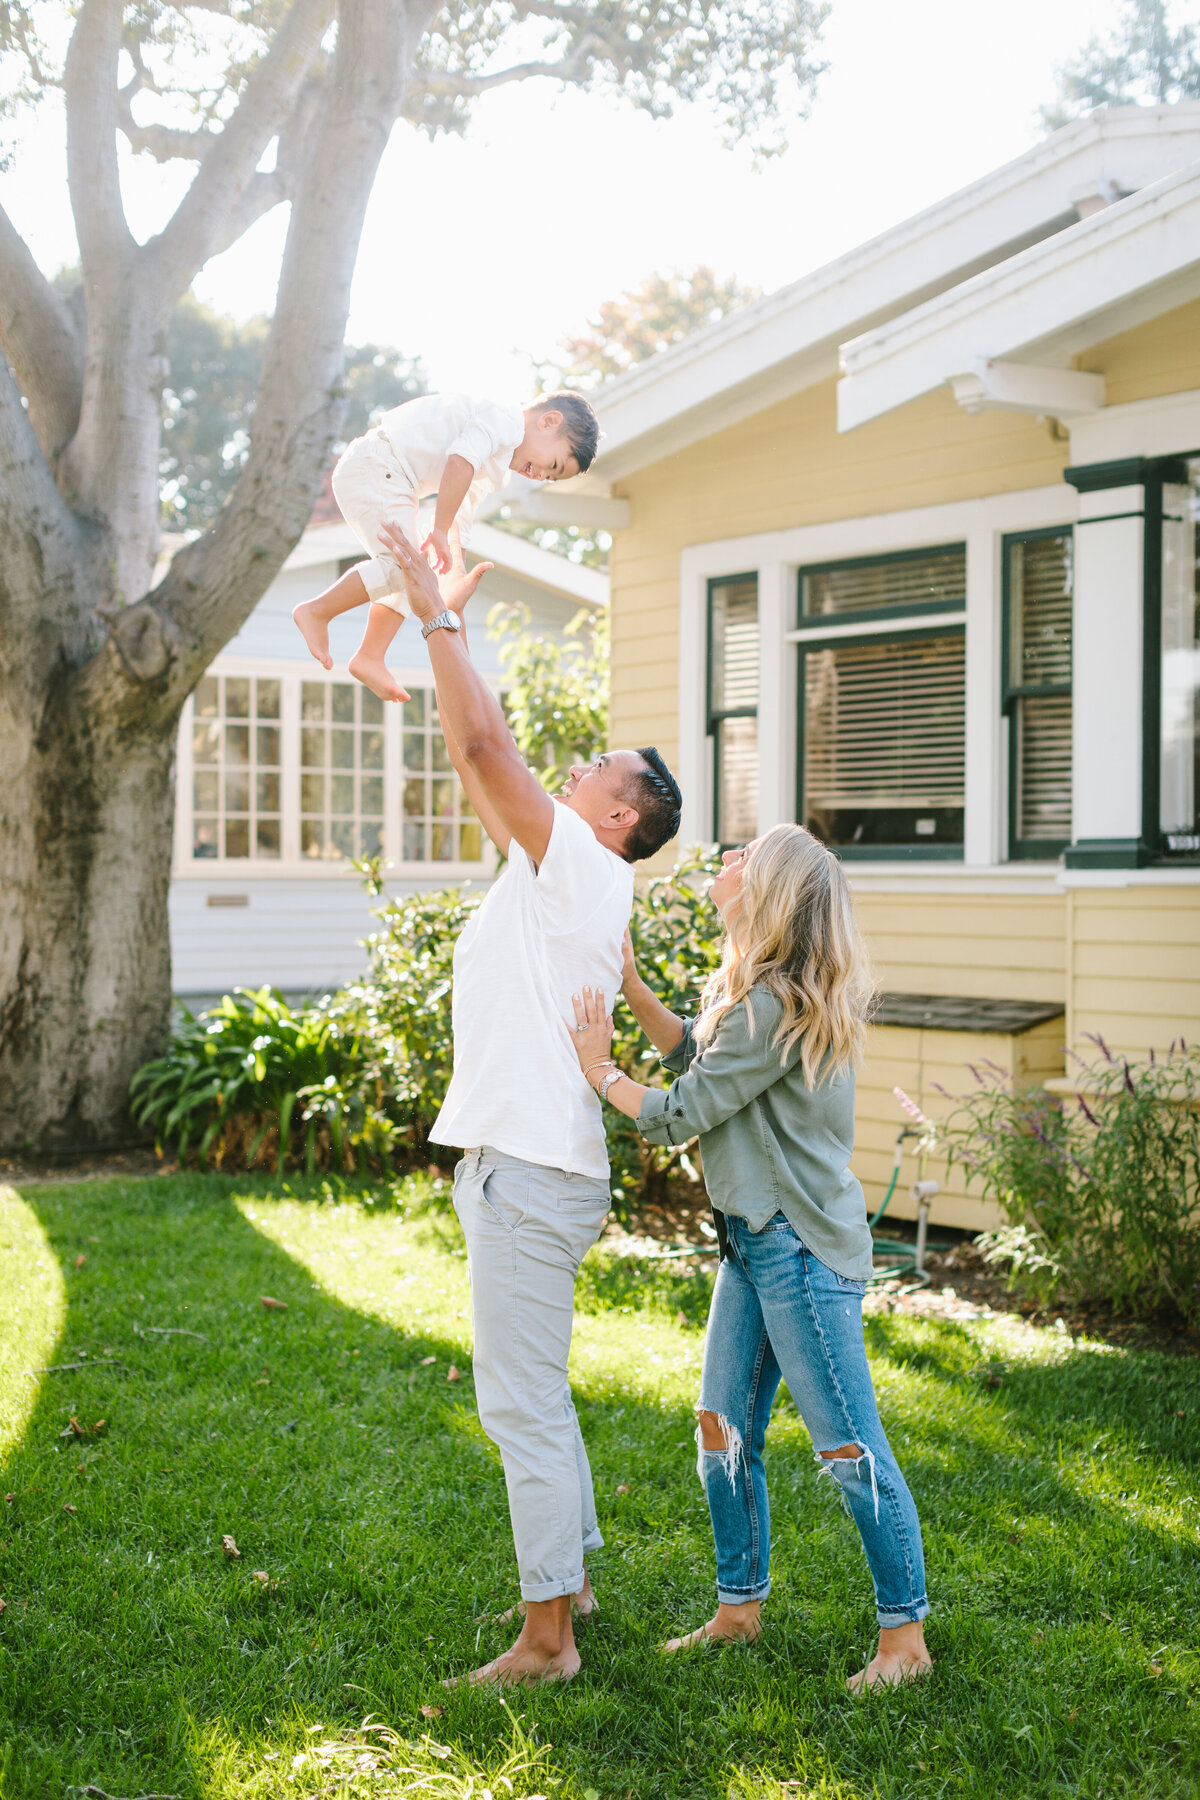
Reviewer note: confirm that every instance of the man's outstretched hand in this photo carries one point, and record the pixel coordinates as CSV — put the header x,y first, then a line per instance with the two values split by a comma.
x,y
425,596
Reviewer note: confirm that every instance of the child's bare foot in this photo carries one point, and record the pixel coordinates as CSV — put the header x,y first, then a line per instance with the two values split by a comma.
x,y
901,1657
313,624
375,674
734,1624
583,1605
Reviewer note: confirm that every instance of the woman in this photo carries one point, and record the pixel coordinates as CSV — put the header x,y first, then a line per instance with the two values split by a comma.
x,y
765,1078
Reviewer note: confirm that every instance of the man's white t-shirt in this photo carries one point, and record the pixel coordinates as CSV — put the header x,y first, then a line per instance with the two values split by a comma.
x,y
539,937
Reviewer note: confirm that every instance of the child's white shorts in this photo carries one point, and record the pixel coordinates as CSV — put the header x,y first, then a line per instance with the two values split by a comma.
x,y
371,485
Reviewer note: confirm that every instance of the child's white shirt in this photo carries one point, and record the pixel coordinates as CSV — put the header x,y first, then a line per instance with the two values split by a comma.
x,y
427,431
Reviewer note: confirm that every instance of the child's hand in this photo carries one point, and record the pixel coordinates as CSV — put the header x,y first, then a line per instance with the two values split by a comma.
x,y
437,548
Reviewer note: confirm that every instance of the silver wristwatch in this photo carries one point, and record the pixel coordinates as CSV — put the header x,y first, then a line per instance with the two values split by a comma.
x,y
445,621
603,1085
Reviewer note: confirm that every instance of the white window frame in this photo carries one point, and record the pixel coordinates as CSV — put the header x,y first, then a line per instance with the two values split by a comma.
x,y
778,557
290,864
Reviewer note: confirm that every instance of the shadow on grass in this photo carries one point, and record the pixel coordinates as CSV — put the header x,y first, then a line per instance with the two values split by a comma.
x,y
369,1513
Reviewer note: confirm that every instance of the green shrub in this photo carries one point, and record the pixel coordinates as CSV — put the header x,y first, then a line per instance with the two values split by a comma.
x,y
1105,1183
253,1080
364,1073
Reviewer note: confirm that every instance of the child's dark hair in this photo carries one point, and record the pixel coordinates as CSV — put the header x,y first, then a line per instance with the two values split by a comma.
x,y
655,793
581,427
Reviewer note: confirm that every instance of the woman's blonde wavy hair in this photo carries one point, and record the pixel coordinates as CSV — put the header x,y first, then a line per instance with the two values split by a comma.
x,y
791,929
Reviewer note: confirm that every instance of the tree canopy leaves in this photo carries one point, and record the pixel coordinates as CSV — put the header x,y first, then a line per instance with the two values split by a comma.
x,y
663,310
1145,62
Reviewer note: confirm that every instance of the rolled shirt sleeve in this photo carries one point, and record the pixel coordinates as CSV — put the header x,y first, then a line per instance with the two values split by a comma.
x,y
490,431
719,1080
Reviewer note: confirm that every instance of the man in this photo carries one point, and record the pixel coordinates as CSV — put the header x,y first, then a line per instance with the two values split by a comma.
x,y
532,1189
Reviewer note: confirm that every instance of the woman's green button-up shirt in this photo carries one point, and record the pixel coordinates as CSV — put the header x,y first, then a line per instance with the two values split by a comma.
x,y
769,1142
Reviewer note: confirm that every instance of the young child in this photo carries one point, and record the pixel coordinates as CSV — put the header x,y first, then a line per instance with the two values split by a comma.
x,y
459,449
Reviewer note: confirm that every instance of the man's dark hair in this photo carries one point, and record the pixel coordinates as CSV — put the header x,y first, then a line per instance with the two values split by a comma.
x,y
655,793
581,427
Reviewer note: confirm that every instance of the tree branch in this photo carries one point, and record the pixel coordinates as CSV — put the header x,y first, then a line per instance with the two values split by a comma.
x,y
40,337
165,143
199,226
90,80
213,584
39,534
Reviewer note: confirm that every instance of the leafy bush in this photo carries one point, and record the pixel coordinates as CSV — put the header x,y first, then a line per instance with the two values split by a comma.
x,y
253,1079
556,695
364,1073
1105,1183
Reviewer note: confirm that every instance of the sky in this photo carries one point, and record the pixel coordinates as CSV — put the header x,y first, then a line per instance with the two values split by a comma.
x,y
480,252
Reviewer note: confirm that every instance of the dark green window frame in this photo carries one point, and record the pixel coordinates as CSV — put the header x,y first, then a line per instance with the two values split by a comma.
x,y
885,619
715,717
1151,474
1011,694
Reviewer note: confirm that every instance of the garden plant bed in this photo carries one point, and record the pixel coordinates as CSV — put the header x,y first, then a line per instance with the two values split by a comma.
x,y
327,1439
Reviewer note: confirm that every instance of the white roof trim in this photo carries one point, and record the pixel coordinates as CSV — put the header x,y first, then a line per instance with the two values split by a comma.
x,y
1113,270
588,587
787,341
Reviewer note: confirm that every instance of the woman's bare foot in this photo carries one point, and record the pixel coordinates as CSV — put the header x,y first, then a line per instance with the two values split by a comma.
x,y
313,624
901,1657
735,1624
583,1605
375,675
545,1651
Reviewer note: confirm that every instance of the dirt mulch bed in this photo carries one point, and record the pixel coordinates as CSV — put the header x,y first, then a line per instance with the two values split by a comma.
x,y
961,1286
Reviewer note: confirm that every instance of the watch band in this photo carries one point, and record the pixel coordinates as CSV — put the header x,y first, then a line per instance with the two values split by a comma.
x,y
443,621
603,1085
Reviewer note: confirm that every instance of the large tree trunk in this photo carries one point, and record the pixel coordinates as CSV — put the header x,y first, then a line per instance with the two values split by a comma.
x,y
94,670
86,989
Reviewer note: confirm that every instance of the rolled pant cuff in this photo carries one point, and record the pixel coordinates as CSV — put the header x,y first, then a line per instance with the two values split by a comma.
x,y
552,1590
893,1619
741,1596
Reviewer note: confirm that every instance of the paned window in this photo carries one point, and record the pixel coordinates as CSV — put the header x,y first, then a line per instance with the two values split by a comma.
x,y
439,822
1036,693
733,706
882,703
341,771
237,761
1179,768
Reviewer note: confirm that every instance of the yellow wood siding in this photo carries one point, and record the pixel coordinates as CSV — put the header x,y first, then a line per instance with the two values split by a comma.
x,y
1160,357
1134,967
788,466
985,946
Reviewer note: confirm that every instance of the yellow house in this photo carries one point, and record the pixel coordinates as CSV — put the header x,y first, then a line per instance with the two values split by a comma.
x,y
907,551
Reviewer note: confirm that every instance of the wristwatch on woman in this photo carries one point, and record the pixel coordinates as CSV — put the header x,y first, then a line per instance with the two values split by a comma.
x,y
606,1081
443,621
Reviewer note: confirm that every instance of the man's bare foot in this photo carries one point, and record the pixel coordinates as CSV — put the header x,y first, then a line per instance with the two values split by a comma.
x,y
583,1605
545,1651
731,1624
901,1657
376,676
521,1668
314,629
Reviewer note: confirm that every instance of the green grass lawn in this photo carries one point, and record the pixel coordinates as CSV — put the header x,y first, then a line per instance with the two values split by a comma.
x,y
1057,1483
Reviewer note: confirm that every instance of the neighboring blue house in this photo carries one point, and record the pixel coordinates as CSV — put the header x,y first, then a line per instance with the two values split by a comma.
x,y
286,773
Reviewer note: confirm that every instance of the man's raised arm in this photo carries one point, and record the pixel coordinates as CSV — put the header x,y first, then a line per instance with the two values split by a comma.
x,y
477,735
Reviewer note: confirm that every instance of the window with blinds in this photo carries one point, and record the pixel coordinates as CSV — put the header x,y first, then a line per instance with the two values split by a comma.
x,y
1036,694
882,719
733,706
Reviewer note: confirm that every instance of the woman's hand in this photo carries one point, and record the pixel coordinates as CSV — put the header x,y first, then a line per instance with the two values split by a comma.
x,y
593,1031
